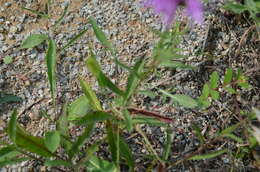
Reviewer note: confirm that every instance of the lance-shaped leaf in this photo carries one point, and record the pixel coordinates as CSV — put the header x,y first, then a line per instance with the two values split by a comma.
x,y
209,155
52,163
126,153
12,161
52,140
228,76
183,100
41,14
168,144
63,128
74,39
31,143
7,98
81,140
103,80
128,120
112,140
58,22
8,152
94,117
133,80
90,95
33,40
214,80
12,127
100,34
96,164
51,66
79,108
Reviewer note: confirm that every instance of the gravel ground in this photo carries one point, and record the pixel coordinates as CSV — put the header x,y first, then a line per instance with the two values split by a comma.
x,y
126,25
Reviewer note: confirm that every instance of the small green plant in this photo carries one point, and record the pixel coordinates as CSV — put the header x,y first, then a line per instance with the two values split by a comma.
x,y
58,149
251,6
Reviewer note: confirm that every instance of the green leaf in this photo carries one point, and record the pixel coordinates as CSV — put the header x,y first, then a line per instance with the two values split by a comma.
x,y
175,64
81,140
209,155
198,133
234,137
12,161
100,34
33,40
235,7
103,81
205,91
148,93
79,108
112,140
52,163
7,98
74,39
128,120
51,65
31,143
52,140
12,127
90,95
229,130
182,100
140,119
58,22
8,152
63,128
230,90
43,15
8,59
126,153
228,76
168,144
133,80
89,152
214,80
93,117
96,164
214,94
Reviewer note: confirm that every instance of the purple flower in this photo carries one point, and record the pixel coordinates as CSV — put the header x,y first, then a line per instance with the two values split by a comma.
x,y
168,8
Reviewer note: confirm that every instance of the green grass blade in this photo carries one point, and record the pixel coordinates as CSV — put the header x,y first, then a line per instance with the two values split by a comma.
x,y
58,22
62,126
91,95
133,80
8,152
53,163
168,144
100,35
12,127
93,117
12,161
51,60
74,39
41,14
81,140
31,143
209,155
103,80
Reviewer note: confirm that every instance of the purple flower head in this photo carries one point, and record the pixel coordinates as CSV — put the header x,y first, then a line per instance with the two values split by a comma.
x,y
168,8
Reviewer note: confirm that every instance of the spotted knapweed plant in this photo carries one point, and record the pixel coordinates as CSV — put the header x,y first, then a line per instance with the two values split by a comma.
x,y
61,150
